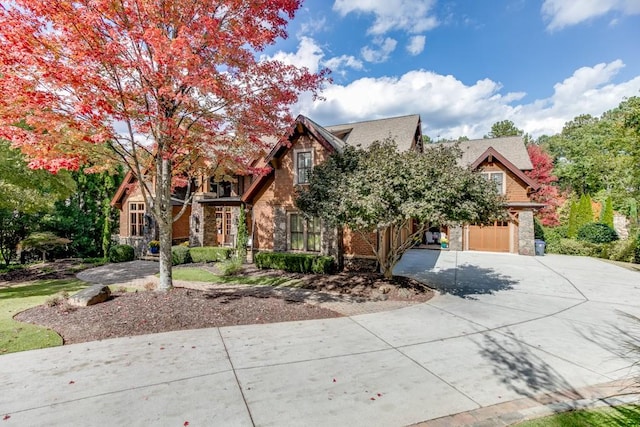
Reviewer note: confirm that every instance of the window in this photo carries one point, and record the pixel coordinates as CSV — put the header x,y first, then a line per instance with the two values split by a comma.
x,y
304,163
223,188
297,232
304,234
497,178
136,219
313,235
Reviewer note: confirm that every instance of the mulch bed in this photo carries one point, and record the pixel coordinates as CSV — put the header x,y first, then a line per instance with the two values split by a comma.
x,y
144,312
148,312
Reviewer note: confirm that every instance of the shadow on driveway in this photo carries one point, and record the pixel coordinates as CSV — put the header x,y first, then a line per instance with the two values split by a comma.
x,y
467,280
522,371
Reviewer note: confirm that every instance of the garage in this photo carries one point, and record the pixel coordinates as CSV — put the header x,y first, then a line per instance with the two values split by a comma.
x,y
489,238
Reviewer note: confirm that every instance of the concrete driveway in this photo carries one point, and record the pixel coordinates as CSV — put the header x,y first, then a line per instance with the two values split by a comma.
x,y
505,327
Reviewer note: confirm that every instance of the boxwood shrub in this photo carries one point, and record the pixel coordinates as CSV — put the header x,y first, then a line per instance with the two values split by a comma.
x,y
180,255
596,232
209,254
121,253
295,263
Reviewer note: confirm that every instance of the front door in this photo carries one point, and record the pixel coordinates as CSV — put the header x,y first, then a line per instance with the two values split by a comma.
x,y
223,224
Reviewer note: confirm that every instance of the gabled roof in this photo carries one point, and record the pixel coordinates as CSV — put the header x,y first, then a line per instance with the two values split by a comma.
x,y
116,201
492,154
301,124
510,147
403,130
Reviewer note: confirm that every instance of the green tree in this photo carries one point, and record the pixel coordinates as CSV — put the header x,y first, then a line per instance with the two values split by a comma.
x,y
606,216
43,242
25,195
504,128
85,217
584,213
379,191
600,154
243,236
572,229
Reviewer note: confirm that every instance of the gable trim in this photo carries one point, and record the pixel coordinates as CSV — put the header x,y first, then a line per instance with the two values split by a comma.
x,y
492,154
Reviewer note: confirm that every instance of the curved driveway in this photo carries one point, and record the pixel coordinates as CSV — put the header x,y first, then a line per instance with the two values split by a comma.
x,y
503,328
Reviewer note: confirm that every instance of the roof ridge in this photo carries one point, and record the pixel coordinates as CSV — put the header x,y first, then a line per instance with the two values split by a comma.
x,y
373,120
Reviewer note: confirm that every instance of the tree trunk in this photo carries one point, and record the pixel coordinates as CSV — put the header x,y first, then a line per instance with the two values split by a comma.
x,y
165,222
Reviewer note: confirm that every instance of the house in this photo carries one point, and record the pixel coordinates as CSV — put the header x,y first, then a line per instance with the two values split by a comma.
x,y
275,224
136,224
503,161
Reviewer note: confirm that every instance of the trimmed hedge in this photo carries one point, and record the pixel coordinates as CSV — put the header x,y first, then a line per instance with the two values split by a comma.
x,y
596,232
209,254
180,255
571,247
295,263
121,253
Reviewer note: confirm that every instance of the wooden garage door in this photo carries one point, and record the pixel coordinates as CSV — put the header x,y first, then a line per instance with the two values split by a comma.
x,y
490,238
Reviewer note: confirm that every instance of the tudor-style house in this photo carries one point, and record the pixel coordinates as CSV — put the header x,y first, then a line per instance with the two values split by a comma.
x,y
275,224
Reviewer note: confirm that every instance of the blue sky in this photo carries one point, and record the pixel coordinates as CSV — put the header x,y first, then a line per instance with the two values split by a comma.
x,y
463,65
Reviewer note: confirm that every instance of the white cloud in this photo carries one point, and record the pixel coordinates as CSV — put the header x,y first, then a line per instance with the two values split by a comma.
x,y
416,45
312,26
564,13
338,64
413,16
381,54
451,108
309,55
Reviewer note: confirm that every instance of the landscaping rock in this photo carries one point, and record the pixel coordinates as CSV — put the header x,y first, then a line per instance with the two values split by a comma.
x,y
92,295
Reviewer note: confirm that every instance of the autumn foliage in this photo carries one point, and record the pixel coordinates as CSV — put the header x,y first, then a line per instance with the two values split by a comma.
x,y
548,193
172,88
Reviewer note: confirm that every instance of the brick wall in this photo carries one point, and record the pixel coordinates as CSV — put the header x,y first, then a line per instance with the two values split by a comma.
x,y
276,199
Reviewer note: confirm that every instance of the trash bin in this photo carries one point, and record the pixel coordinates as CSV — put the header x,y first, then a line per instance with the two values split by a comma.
x,y
540,245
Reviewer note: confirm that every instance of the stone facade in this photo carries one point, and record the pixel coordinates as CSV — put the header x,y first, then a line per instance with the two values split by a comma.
x,y
455,238
525,233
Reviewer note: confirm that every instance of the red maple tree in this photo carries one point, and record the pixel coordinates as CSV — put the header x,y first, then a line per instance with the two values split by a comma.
x,y
548,193
170,87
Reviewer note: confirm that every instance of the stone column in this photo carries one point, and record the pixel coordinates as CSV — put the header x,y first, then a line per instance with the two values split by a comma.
x,y
279,229
455,238
526,234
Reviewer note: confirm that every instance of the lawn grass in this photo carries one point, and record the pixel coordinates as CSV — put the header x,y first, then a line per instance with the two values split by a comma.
x,y
618,416
194,274
17,336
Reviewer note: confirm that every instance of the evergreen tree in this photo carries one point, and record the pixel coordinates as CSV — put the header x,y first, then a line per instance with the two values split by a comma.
x,y
606,216
585,211
243,235
573,224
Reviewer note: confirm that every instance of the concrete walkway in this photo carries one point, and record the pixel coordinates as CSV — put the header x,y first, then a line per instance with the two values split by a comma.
x,y
505,329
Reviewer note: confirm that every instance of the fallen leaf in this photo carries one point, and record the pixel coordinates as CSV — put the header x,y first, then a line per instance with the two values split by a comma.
x,y
373,398
334,380
6,417
161,348
72,382
193,346
186,423
379,395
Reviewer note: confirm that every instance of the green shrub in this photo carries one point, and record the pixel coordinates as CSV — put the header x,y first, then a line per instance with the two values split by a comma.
x,y
596,232
230,267
554,234
636,258
623,250
121,253
571,247
295,263
209,254
180,255
538,231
